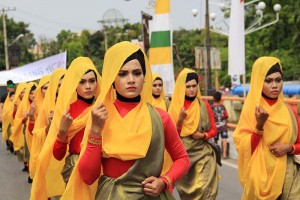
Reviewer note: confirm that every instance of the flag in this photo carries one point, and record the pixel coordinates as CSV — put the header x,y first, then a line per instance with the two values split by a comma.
x,y
236,42
160,53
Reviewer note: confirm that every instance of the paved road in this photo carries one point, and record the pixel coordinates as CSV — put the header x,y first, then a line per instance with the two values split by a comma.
x,y
14,186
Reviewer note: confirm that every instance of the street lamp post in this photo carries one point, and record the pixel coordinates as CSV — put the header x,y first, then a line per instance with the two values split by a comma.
x,y
6,45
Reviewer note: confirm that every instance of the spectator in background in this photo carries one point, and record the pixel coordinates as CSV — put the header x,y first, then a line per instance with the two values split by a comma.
x,y
221,116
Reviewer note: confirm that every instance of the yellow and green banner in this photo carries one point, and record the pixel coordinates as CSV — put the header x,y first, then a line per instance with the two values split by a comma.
x,y
160,53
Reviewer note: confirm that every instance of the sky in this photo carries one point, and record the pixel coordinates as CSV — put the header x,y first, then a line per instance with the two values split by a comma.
x,y
46,18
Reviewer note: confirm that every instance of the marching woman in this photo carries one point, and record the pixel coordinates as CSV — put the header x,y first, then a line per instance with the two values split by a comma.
x,y
79,88
159,101
195,124
20,123
267,137
43,119
126,136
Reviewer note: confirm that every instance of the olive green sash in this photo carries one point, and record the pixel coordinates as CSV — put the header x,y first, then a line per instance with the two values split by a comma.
x,y
70,162
291,188
129,185
201,180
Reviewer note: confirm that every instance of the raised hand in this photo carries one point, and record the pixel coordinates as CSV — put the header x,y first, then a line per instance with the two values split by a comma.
x,y
99,116
32,111
65,123
261,116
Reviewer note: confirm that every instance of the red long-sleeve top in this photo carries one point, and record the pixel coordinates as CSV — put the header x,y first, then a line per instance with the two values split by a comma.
x,y
90,164
255,138
60,149
213,129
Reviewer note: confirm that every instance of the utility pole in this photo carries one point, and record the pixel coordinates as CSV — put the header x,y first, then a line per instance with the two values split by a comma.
x,y
207,44
3,12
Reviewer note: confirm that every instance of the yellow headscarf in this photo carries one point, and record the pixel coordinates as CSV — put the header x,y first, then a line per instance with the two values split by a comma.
x,y
17,136
191,122
160,102
38,99
131,144
48,181
262,174
17,100
7,117
39,133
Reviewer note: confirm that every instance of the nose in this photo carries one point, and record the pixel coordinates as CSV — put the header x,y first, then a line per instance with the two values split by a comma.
x,y
130,78
88,85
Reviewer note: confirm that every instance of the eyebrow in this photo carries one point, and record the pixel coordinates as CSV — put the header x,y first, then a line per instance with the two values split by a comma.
x,y
135,70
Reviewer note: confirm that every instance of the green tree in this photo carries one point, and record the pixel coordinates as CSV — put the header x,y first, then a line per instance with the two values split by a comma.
x,y
13,29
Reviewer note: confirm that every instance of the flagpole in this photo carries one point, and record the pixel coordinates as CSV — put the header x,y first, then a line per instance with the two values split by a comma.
x,y
207,44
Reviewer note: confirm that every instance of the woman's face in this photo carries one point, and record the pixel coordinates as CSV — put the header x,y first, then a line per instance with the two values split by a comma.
x,y
191,88
273,85
31,96
130,79
157,87
87,85
12,97
44,89
22,94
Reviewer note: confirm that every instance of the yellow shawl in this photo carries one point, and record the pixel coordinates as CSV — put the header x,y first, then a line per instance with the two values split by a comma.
x,y
160,102
262,174
122,138
17,136
190,124
7,117
48,181
39,133
38,99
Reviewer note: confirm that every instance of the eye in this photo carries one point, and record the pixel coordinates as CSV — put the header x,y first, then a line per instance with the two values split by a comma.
x,y
278,80
160,85
92,80
137,73
82,82
268,81
122,74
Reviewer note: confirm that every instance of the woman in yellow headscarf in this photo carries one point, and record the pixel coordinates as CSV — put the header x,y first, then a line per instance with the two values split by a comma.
x,y
267,137
79,88
159,101
196,125
126,136
7,119
19,127
43,119
39,94
158,95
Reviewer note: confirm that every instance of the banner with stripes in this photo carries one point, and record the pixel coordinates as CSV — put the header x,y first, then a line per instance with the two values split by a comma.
x,y
160,52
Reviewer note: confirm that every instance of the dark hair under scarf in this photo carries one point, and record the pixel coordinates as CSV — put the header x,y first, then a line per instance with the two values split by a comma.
x,y
191,76
33,88
140,57
275,68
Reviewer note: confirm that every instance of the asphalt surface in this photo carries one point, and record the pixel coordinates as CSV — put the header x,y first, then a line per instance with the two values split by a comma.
x,y
14,185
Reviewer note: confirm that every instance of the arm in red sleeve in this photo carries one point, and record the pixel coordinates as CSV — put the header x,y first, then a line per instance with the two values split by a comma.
x,y
297,144
175,148
30,127
89,165
255,138
59,150
14,113
213,129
